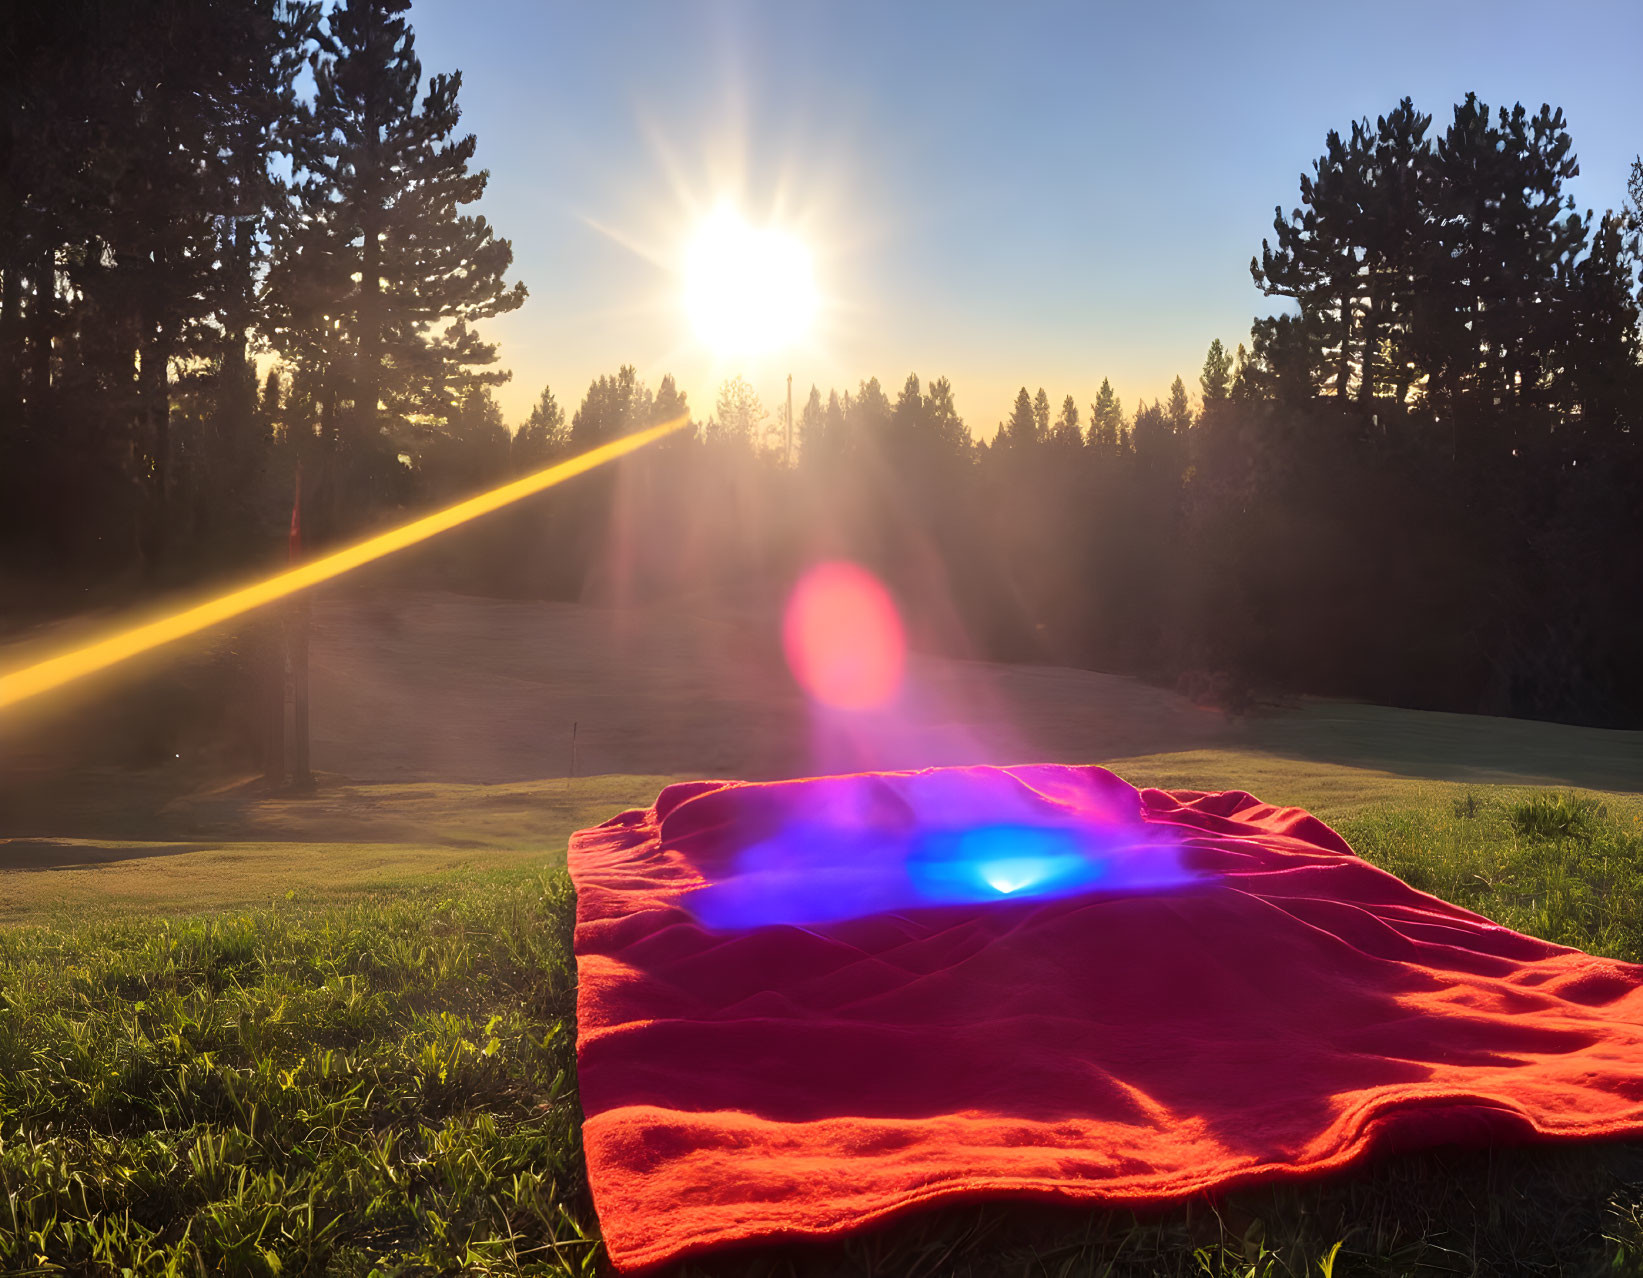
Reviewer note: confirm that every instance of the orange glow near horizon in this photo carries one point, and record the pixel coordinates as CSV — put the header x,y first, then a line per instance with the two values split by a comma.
x,y
54,672
844,638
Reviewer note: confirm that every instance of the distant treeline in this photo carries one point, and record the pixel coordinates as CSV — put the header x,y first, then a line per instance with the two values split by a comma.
x,y
1418,483
1421,484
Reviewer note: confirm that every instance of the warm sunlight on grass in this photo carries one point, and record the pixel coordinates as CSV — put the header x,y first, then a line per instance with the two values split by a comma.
x,y
748,290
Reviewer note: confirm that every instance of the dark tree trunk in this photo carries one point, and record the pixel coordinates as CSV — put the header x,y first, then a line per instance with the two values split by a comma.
x,y
236,318
328,411
43,319
11,350
369,386
154,412
1344,368
302,778
368,375
270,632
237,396
1366,372
326,492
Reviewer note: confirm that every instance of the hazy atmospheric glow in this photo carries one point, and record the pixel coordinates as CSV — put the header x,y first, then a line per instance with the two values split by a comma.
x,y
54,672
843,638
748,290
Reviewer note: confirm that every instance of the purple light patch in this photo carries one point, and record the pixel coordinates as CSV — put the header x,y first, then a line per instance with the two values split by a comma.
x,y
841,868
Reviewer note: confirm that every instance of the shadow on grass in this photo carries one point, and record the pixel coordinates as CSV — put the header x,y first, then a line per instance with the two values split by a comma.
x,y
1564,1210
60,854
1438,746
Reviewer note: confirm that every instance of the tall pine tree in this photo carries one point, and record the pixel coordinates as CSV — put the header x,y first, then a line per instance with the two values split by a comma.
x,y
543,436
382,273
1216,379
812,429
1179,413
1106,420
1021,428
1066,433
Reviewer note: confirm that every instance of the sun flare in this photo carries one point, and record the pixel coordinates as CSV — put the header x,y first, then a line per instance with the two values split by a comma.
x,y
748,290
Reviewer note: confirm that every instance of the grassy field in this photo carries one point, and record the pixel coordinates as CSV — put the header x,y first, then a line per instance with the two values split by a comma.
x,y
231,850
343,1041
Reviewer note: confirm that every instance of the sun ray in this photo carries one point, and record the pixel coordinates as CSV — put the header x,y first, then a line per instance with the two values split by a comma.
x,y
655,256
131,641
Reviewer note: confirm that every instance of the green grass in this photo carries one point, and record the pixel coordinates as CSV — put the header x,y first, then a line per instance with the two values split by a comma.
x,y
1554,865
356,1054
386,1086
230,849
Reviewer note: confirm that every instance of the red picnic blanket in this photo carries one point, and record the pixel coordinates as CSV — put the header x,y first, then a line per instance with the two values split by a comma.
x,y
807,1005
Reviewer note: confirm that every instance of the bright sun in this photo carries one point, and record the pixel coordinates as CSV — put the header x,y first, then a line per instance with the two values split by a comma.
x,y
748,290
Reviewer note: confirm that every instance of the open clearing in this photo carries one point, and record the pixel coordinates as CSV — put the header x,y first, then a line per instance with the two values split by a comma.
x,y
442,730
421,685
262,1033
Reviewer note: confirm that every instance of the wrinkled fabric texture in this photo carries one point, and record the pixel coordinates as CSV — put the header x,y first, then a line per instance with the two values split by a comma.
x,y
1281,1008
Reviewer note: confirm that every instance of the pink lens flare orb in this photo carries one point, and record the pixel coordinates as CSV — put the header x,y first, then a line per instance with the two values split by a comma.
x,y
843,637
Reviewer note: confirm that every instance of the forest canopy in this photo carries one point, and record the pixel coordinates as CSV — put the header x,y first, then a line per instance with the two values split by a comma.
x,y
236,235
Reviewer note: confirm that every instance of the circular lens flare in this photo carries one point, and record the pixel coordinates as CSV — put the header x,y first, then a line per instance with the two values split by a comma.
x,y
748,290
844,638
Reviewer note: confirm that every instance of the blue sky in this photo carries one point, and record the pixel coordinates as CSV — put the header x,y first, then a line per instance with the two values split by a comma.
x,y
1003,194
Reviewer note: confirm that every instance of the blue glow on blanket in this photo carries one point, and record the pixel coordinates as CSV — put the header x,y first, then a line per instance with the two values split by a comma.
x,y
820,873
1002,860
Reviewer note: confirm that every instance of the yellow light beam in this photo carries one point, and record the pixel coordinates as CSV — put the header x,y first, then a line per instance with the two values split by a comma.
x,y
54,672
